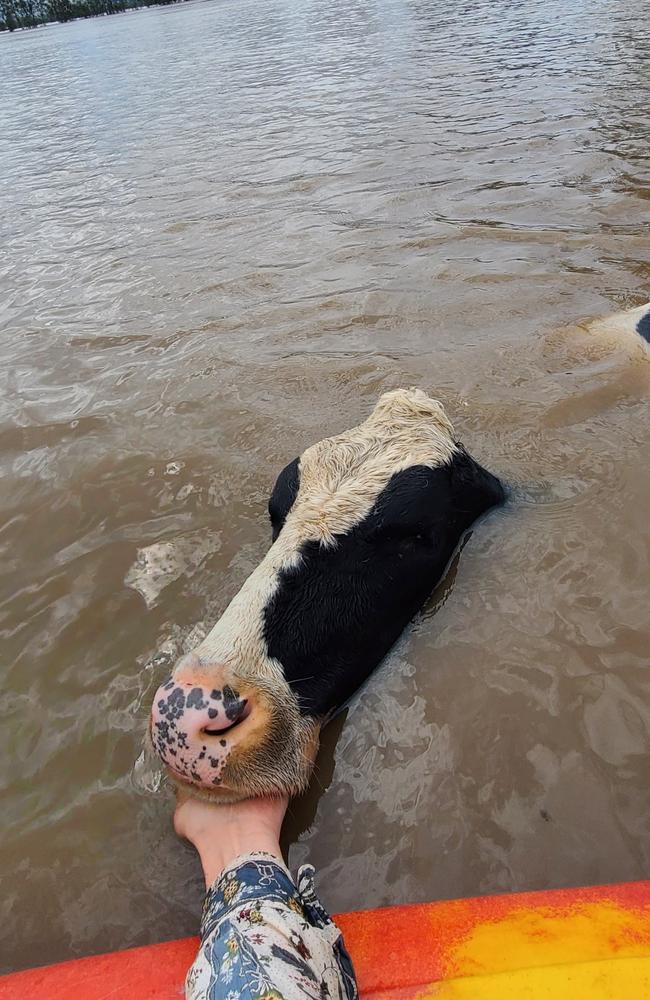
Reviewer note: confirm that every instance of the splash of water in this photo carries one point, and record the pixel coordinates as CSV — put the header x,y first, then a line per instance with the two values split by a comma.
x,y
147,773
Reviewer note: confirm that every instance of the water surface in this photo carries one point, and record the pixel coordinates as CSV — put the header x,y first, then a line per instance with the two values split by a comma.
x,y
226,227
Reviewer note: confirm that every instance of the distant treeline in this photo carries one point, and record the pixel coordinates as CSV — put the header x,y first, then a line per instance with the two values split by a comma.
x,y
30,13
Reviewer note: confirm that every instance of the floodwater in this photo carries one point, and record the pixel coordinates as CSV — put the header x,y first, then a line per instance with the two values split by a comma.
x,y
225,228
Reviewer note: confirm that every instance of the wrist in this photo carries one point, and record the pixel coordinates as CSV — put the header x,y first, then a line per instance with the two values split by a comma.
x,y
218,850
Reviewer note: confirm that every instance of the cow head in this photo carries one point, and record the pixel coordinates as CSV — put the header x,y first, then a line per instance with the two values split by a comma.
x,y
364,525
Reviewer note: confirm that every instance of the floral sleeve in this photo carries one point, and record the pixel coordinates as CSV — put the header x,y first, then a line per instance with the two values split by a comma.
x,y
264,938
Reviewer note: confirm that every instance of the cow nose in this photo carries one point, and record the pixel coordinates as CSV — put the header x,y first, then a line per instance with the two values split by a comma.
x,y
194,727
199,711
225,716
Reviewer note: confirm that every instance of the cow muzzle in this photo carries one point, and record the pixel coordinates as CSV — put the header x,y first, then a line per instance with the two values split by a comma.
x,y
227,737
198,721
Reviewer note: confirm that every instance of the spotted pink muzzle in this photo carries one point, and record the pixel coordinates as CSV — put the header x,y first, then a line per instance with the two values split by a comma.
x,y
194,728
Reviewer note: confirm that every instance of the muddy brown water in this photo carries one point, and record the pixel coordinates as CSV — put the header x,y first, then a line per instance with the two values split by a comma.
x,y
225,229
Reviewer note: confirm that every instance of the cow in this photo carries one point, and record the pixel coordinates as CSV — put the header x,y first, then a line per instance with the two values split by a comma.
x,y
364,525
625,333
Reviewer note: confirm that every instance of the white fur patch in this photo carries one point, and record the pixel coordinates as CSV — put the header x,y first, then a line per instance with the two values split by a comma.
x,y
622,324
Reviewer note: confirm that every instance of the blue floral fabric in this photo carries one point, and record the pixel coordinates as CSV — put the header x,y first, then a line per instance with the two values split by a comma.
x,y
265,938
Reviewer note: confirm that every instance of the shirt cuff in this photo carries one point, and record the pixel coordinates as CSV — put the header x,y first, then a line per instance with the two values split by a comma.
x,y
258,875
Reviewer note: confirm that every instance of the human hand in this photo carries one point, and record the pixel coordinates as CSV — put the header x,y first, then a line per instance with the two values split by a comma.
x,y
220,833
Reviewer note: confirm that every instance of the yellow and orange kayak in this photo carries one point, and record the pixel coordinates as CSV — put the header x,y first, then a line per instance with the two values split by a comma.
x,y
564,944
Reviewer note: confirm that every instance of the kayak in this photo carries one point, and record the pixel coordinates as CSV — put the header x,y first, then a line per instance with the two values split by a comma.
x,y
562,944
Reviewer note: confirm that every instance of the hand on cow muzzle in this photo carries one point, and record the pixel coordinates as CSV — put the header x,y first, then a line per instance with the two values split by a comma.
x,y
221,833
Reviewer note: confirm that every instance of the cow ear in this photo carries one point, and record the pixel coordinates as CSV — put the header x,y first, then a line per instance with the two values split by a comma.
x,y
284,493
474,489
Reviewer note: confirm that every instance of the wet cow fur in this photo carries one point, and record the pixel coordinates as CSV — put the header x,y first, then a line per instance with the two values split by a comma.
x,y
364,525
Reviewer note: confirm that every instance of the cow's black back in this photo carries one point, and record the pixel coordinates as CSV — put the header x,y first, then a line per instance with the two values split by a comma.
x,y
335,616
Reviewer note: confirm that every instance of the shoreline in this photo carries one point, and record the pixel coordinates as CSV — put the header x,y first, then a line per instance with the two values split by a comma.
x,y
78,10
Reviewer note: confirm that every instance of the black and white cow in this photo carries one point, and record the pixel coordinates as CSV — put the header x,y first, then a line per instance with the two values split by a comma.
x,y
364,525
